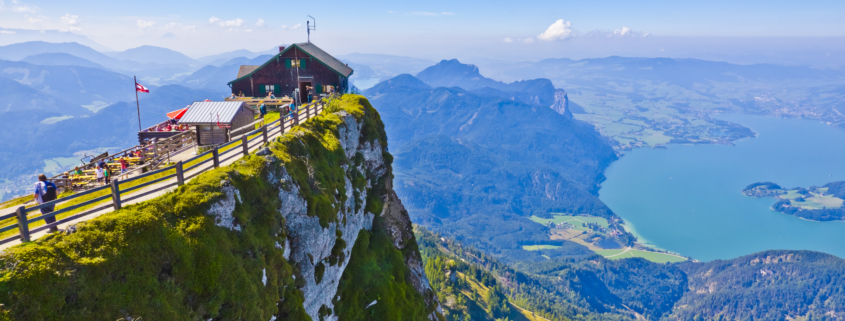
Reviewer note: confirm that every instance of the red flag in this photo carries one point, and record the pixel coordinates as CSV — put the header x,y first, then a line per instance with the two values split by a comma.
x,y
141,88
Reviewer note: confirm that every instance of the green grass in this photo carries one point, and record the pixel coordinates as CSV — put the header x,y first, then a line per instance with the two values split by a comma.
x,y
539,247
576,221
609,252
651,256
818,202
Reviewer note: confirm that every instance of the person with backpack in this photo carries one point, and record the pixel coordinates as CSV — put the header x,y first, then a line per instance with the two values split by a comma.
x,y
45,192
292,112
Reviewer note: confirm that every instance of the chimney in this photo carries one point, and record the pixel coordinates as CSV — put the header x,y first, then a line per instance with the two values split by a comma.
x,y
281,48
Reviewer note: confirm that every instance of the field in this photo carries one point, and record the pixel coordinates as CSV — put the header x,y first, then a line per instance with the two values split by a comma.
x,y
539,247
574,220
577,235
814,202
629,253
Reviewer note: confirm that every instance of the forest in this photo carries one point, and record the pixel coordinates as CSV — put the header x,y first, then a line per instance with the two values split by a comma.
x,y
785,284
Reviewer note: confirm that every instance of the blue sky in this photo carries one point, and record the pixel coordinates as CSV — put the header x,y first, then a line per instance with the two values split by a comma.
x,y
426,28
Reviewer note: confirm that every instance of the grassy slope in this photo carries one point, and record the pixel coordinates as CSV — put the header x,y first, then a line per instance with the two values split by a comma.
x,y
164,259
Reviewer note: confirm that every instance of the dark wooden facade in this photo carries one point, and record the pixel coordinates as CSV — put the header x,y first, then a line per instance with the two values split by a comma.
x,y
285,76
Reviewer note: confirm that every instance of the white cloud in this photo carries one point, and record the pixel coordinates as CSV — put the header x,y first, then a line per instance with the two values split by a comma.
x,y
260,23
29,9
296,26
72,21
34,19
146,24
7,32
238,22
559,30
232,23
248,30
528,40
190,28
507,39
622,32
626,32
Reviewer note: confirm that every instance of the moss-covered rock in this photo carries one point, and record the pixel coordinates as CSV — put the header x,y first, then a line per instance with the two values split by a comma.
x,y
269,237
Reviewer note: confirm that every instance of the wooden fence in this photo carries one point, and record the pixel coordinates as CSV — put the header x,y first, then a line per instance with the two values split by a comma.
x,y
118,195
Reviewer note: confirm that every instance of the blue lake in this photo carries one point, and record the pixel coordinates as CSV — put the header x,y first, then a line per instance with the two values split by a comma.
x,y
687,198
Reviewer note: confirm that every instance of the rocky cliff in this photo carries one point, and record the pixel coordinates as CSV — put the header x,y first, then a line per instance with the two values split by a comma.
x,y
308,228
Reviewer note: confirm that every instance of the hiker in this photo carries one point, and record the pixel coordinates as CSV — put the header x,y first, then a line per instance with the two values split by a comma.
x,y
45,192
101,177
124,167
101,163
262,110
241,94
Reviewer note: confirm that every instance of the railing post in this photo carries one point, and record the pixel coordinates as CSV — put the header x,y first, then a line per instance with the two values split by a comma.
x,y
296,118
264,133
23,227
115,194
180,174
245,144
214,156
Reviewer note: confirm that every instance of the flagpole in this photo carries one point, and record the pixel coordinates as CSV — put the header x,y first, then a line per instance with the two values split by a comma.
x,y
137,104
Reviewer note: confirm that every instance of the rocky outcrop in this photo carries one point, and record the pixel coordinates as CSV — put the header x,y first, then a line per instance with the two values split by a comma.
x,y
321,253
561,105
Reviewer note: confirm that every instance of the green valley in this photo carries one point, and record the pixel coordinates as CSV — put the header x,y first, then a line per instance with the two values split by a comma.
x,y
596,234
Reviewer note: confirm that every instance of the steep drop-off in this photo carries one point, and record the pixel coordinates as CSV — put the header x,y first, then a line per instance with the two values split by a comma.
x,y
308,228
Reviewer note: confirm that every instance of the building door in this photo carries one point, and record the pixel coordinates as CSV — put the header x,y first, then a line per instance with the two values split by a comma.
x,y
303,91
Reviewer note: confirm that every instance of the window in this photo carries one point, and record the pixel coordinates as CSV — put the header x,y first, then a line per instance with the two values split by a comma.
x,y
294,63
269,88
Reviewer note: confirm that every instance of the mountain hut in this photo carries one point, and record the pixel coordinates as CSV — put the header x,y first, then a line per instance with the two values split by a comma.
x,y
288,73
215,122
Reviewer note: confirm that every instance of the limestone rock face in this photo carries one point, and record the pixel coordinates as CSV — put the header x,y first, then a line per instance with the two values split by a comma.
x,y
309,245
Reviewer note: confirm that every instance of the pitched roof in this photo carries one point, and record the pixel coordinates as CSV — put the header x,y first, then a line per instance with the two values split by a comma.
x,y
310,49
326,58
246,70
207,111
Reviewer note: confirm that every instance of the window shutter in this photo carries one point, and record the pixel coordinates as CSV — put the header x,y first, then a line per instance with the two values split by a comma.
x,y
262,90
318,88
302,63
287,63
277,90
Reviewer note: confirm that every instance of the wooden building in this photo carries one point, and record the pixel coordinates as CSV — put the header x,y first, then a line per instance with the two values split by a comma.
x,y
215,121
292,70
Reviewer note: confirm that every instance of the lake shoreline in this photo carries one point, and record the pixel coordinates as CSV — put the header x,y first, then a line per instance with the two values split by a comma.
x,y
677,196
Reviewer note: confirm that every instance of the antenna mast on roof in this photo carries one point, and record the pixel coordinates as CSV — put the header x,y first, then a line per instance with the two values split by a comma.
x,y
309,27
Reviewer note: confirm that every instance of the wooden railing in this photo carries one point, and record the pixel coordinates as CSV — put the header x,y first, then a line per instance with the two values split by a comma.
x,y
120,192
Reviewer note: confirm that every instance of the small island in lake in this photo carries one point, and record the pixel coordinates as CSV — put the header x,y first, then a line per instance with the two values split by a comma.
x,y
825,203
